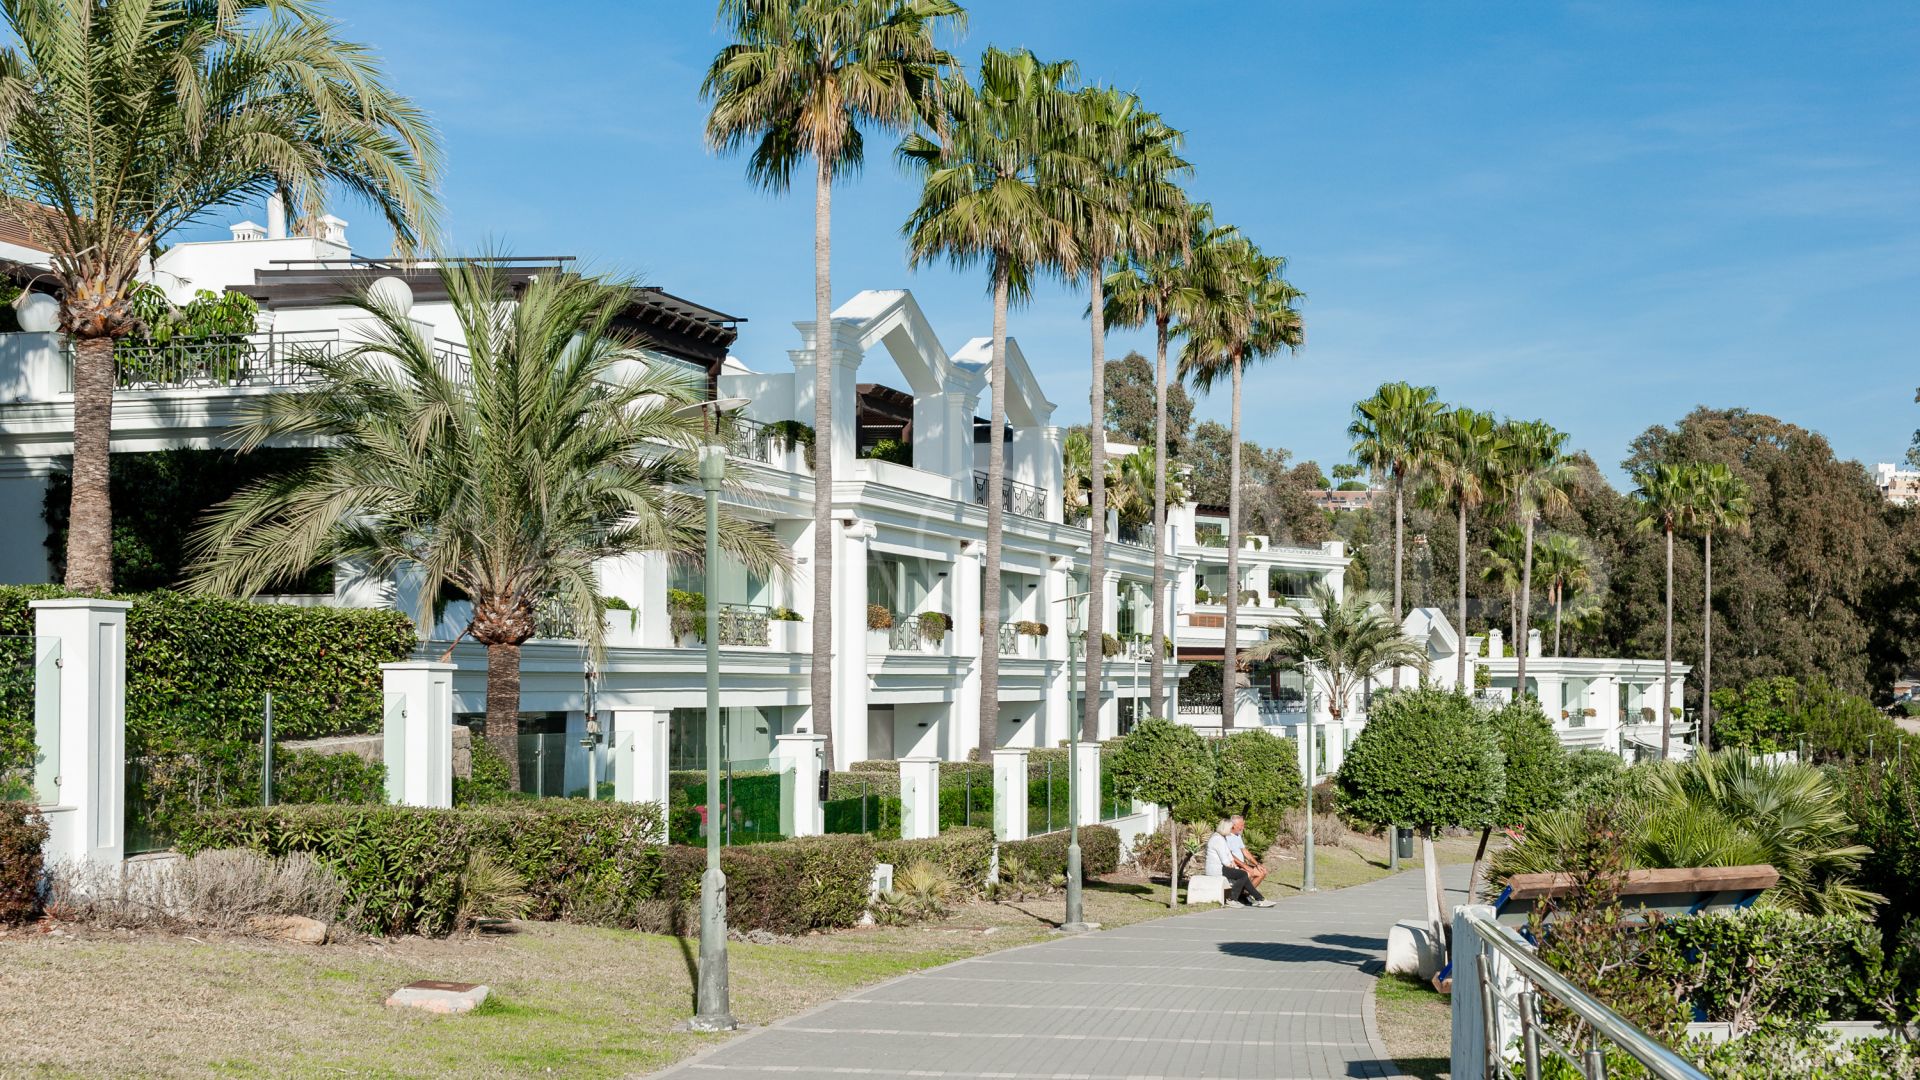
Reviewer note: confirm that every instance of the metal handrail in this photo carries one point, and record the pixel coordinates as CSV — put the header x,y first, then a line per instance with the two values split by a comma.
x,y
1662,1062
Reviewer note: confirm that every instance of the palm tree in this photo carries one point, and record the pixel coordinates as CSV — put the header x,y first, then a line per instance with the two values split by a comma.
x,y
1341,643
1535,474
994,185
1161,287
1502,561
1723,504
1393,435
1566,570
1461,475
1135,482
507,486
1667,499
798,80
124,123
1129,160
1248,314
1076,475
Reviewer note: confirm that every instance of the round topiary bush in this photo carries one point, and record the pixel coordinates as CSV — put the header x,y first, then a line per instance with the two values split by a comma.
x,y
1426,759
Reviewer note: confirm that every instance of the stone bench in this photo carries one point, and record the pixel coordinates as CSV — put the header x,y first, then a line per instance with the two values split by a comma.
x,y
1207,889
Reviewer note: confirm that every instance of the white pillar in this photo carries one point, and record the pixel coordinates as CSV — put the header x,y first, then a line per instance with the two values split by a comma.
x,y
850,645
640,756
1086,782
800,756
1050,727
974,641
88,823
919,798
1010,794
419,733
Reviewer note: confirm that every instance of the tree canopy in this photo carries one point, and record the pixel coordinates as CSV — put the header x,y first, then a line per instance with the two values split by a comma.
x,y
1166,764
1538,773
1427,759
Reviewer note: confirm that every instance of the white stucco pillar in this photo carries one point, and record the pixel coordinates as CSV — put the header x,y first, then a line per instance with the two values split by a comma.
x,y
88,820
1553,694
1533,643
800,757
1049,725
640,756
1010,794
850,645
972,640
419,733
846,368
1086,782
919,798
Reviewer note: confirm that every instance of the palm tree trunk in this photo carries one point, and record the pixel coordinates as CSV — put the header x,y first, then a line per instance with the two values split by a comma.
x,y
1526,609
90,512
996,520
1399,544
1462,631
820,675
1096,665
1557,596
1666,678
1706,659
1229,659
503,706
1156,666
1513,625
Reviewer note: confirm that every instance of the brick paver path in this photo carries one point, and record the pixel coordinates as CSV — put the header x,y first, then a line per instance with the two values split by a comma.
x,y
1277,993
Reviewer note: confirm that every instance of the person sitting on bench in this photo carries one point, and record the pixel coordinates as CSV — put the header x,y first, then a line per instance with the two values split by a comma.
x,y
1242,857
1220,863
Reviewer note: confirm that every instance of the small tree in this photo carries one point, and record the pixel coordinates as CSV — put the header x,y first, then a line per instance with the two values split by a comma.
x,y
1429,760
1538,773
1257,776
1166,764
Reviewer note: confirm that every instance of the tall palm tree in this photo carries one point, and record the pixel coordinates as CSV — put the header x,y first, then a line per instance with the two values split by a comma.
x,y
1130,161
508,485
1393,435
1535,474
1160,286
125,122
1462,476
798,80
995,180
1566,570
1667,499
1248,314
1501,566
1723,505
1135,482
1341,644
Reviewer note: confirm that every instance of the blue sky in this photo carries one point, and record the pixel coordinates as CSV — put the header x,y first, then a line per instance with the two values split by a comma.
x,y
1599,214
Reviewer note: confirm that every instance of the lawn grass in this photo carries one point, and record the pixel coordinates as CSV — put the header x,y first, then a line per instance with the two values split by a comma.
x,y
1416,1023
568,1000
1355,859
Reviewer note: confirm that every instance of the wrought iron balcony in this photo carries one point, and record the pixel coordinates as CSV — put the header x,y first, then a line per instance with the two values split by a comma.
x,y
271,359
1015,498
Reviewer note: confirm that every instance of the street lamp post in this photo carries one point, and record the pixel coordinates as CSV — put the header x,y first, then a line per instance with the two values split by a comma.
x,y
1076,920
1313,767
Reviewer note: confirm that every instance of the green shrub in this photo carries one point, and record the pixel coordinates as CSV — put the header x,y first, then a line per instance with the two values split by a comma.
x,y
1883,803
311,777
1047,854
1771,967
22,832
404,866
1593,776
963,853
168,787
1774,714
1258,777
1166,764
1535,763
788,887
490,782
966,794
1426,759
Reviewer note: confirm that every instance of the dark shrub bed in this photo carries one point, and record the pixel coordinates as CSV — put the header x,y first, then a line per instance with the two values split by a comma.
x,y
1047,854
22,831
786,887
962,852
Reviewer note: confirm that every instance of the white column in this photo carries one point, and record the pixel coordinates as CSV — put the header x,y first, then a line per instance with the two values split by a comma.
x,y
1086,782
800,756
850,646
88,823
640,756
1553,696
1010,794
919,798
1052,718
419,733
972,640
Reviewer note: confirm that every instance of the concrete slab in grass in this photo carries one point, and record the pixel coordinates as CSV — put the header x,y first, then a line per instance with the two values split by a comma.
x,y
434,996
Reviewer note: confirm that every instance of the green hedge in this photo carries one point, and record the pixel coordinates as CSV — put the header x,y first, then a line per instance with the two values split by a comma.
x,y
22,832
751,800
788,887
165,791
1768,967
964,853
403,865
1047,854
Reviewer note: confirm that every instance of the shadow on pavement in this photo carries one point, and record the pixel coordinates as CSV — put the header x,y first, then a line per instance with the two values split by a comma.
x,y
1293,952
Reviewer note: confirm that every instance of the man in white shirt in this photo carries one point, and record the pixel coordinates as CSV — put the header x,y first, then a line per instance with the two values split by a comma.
x,y
1244,859
1221,863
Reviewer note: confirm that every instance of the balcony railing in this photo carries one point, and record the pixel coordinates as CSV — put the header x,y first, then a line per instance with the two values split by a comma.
x,y
745,624
909,633
752,440
272,359
1015,498
1009,640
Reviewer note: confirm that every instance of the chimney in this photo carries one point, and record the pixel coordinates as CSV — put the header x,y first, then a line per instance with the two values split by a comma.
x,y
247,230
332,230
276,217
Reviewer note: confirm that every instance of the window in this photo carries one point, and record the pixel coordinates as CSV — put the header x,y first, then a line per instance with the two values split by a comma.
x,y
746,735
735,583
899,584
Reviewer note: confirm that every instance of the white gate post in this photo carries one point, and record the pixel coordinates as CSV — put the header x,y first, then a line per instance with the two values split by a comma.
x,y
88,820
799,754
919,798
640,756
1010,794
1086,782
419,733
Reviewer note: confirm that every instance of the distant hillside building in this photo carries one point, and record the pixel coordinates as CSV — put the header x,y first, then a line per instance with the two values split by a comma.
x,y
1898,486
1336,499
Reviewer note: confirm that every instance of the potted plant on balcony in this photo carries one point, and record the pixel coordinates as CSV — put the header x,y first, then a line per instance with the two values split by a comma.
x,y
1030,628
879,617
1109,645
686,615
934,626
1202,596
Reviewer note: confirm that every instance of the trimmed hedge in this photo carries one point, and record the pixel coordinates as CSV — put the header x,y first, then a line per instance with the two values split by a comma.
x,y
1047,854
167,790
1764,967
788,887
403,865
22,831
963,853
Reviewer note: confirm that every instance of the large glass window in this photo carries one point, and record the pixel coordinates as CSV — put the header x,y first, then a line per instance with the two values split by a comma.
x,y
746,735
901,584
736,583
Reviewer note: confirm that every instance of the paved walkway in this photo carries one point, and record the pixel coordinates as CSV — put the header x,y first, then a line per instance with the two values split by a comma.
x,y
1277,993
